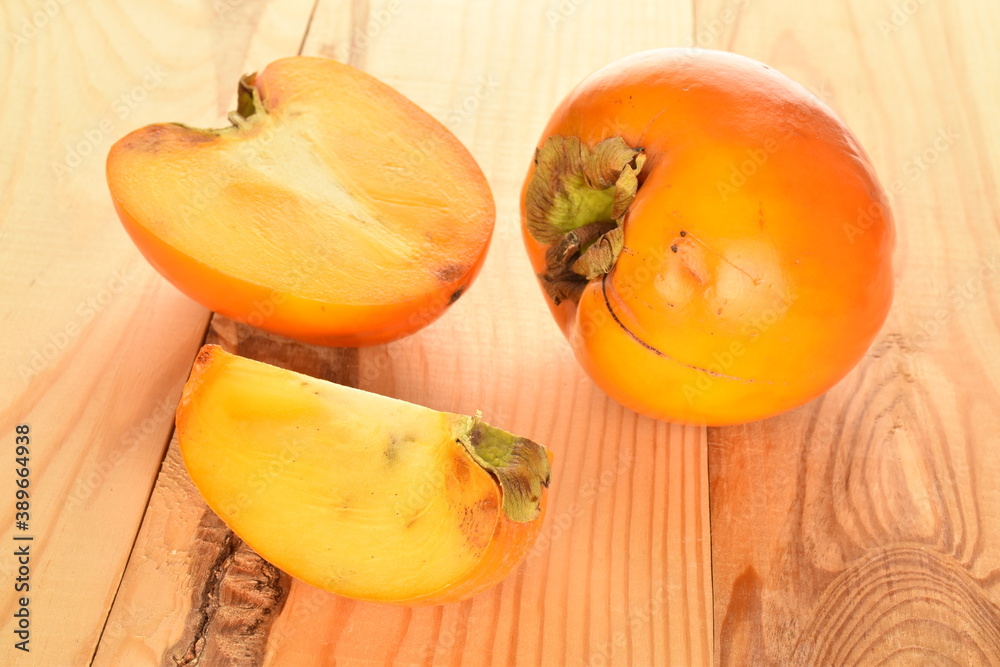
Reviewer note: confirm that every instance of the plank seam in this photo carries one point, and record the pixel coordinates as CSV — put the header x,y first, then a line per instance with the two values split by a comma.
x,y
142,520
305,35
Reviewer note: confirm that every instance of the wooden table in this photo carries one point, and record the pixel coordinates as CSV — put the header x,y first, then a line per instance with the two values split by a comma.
x,y
861,528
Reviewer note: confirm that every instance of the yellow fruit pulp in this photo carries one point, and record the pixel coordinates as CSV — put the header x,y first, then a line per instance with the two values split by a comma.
x,y
336,189
360,494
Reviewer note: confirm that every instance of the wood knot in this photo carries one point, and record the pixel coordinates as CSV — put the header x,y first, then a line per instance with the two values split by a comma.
x,y
902,604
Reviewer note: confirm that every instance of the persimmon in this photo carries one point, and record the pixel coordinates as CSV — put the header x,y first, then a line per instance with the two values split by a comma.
x,y
332,210
711,238
363,495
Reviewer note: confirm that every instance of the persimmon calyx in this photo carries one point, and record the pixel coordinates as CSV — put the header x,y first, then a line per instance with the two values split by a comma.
x,y
519,465
576,203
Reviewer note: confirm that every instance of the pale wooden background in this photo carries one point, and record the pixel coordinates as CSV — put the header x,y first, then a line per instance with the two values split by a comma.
x,y
861,528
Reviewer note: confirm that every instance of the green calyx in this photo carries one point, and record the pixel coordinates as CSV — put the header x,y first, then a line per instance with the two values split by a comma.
x,y
576,204
519,465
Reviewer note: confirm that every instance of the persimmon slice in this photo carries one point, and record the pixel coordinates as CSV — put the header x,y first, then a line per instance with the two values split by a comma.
x,y
363,495
333,210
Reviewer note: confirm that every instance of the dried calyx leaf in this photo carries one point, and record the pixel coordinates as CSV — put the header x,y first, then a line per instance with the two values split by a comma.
x,y
576,203
600,256
519,465
561,280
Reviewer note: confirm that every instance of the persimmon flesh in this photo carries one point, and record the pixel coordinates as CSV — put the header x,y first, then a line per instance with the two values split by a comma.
x,y
712,240
365,496
333,210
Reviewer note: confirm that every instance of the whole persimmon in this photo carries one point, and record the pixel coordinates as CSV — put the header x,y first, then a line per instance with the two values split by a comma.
x,y
332,210
712,240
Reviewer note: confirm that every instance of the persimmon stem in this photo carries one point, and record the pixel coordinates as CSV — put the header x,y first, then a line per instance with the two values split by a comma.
x,y
576,203
248,102
249,108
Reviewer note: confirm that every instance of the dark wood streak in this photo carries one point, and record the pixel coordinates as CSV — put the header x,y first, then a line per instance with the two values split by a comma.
x,y
233,609
740,631
334,364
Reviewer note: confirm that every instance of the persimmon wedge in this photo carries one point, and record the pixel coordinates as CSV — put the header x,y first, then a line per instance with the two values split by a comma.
x,y
332,210
363,495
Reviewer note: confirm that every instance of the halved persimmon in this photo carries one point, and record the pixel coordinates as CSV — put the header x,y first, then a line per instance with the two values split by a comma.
x,y
711,238
333,210
365,496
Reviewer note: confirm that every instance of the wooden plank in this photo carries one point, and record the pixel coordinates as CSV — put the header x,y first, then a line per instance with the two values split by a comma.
x,y
192,587
599,588
621,573
863,528
96,345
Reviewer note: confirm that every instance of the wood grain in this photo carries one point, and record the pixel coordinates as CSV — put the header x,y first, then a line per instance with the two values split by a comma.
x,y
859,529
621,572
862,528
96,345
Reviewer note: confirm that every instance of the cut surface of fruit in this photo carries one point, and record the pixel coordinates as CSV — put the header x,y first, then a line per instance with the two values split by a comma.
x,y
360,494
333,209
